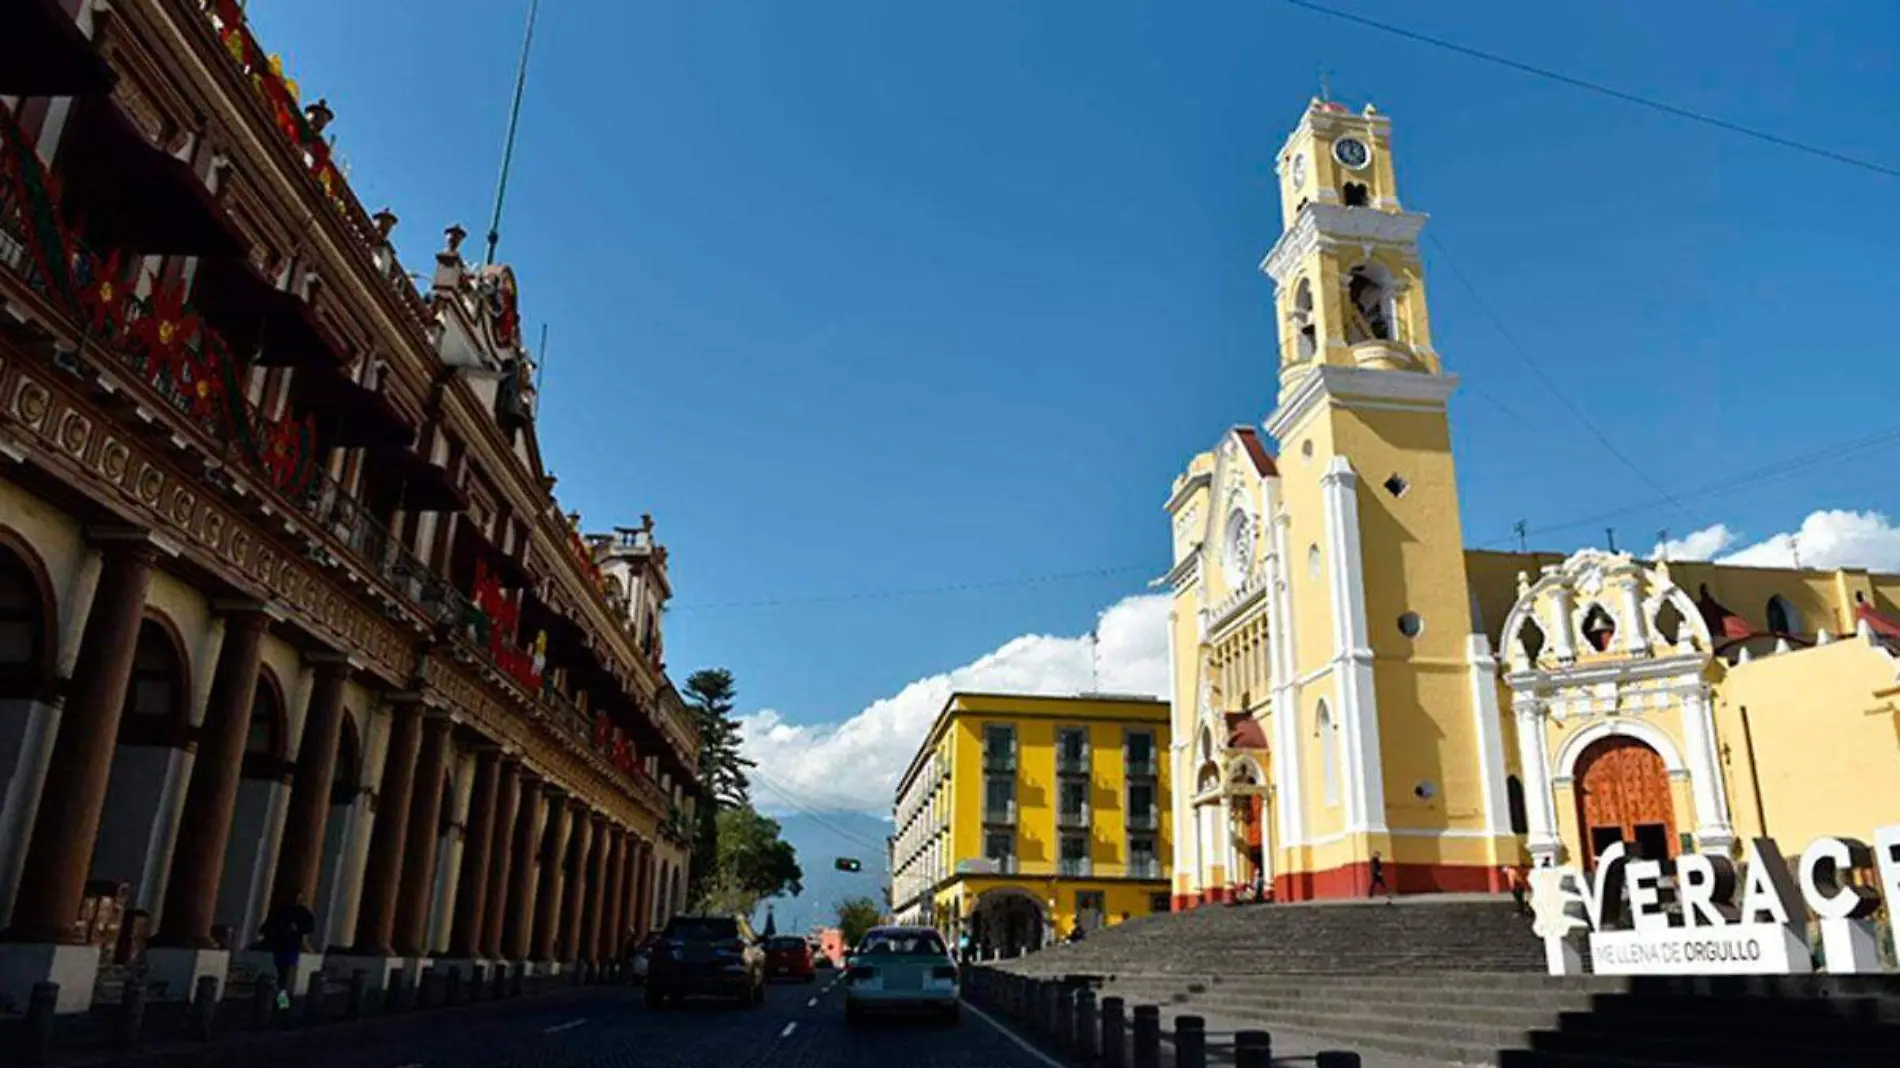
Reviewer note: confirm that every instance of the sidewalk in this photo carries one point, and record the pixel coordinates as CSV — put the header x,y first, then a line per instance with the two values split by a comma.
x,y
1290,1048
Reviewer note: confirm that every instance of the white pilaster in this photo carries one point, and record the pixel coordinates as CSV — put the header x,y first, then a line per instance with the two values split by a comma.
x,y
1540,802
1352,652
1633,629
1484,711
1290,810
157,868
1714,831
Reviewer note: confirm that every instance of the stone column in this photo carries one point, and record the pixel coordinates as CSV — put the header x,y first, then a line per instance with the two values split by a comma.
x,y
376,916
519,921
547,900
465,931
59,856
1533,758
596,890
417,886
642,895
608,948
300,863
487,931
629,885
567,947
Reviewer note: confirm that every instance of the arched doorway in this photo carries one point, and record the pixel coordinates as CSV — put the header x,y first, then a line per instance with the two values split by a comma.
x,y
28,719
247,860
339,835
1008,922
1623,796
150,767
1252,842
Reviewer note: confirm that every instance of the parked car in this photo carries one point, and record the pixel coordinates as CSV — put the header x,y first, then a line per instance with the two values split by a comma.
x,y
901,969
788,958
705,956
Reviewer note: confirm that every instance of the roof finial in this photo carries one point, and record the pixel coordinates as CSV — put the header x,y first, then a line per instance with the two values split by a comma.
x,y
1325,86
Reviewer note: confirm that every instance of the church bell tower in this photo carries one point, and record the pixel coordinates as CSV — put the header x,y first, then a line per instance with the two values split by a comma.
x,y
1394,696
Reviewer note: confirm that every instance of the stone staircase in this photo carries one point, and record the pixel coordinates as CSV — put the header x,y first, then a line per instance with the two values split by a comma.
x,y
1460,980
1424,933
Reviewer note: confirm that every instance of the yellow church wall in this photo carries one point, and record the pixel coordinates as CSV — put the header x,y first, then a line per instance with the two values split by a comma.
x,y
1825,730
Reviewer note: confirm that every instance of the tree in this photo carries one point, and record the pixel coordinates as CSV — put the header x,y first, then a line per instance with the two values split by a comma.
x,y
751,863
856,917
721,767
722,777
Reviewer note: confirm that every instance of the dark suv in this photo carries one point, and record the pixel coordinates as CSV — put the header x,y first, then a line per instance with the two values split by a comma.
x,y
710,955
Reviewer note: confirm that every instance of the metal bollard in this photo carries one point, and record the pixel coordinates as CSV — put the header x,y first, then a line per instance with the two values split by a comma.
x,y
1088,1032
1051,1007
452,991
1065,1017
263,1001
1190,1042
359,993
396,993
1253,1049
426,986
1114,1033
499,978
131,1022
1147,1033
36,1039
204,1008
518,981
1336,1058
313,998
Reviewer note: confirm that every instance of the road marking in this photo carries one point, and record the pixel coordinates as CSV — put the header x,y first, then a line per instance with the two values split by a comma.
x,y
568,1026
1012,1036
789,1028
811,1003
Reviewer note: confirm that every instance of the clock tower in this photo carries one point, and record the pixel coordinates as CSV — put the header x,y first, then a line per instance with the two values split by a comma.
x,y
1392,695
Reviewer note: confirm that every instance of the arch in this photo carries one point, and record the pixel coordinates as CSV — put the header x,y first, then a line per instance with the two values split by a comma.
x,y
29,616
1306,332
1623,795
1355,195
1008,921
1244,770
265,740
1207,744
1782,617
158,698
1573,746
1370,304
1668,622
1328,732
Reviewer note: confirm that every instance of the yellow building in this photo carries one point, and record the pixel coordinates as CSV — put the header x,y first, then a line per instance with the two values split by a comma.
x,y
1022,817
1337,692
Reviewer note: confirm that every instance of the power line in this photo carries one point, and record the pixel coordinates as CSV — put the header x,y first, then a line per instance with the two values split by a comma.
x,y
1599,88
920,591
1778,469
821,817
1550,383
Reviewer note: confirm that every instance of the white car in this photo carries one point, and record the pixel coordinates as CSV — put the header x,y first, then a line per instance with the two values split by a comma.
x,y
896,969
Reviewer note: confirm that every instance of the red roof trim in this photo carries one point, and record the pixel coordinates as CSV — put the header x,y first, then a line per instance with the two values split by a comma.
x,y
1262,462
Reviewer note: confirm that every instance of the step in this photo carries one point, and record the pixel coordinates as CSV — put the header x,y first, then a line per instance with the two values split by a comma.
x,y
1710,1051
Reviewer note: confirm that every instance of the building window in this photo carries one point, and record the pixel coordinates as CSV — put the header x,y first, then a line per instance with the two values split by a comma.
x,y
1141,805
1072,750
999,800
1142,863
1091,907
1075,855
1074,797
1514,798
999,747
1782,618
999,848
1139,752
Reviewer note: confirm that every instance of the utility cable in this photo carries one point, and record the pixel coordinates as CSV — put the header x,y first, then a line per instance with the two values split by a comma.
x,y
1598,88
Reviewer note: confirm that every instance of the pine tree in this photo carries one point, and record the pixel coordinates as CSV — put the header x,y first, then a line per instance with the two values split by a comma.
x,y
722,775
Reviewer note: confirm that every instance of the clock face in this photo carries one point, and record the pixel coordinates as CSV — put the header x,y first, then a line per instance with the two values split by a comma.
x,y
1352,152
1299,171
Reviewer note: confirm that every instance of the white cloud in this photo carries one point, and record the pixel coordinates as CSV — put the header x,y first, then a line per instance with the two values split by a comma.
x,y
1826,539
854,765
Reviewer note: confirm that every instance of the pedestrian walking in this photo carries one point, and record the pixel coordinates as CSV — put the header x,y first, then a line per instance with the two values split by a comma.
x,y
283,933
1378,879
1514,877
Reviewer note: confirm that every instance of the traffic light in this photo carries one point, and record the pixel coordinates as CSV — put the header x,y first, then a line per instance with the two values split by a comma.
x,y
847,864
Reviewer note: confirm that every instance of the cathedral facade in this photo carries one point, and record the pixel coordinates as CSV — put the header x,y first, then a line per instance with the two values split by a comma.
x,y
1356,691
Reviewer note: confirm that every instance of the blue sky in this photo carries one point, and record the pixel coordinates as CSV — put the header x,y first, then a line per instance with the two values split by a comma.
x,y
861,297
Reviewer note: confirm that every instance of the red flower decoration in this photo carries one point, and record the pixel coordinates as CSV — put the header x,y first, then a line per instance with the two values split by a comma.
x,y
104,297
166,329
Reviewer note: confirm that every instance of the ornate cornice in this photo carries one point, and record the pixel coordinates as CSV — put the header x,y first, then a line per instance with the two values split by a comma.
x,y
1330,226
1358,387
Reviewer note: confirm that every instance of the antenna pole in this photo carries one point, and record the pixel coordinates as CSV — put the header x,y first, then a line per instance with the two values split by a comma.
x,y
514,120
541,361
1522,530
1610,533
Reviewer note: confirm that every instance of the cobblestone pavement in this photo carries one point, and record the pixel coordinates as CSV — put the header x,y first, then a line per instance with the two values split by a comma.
x,y
799,1026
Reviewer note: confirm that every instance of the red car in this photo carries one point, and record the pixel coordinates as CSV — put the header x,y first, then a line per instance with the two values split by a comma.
x,y
788,957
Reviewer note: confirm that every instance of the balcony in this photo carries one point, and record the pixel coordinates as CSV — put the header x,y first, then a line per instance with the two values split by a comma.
x,y
999,759
1073,817
1004,816
1072,763
1143,868
1140,765
1142,820
1075,867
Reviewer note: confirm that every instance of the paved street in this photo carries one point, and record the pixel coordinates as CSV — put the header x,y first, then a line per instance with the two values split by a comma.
x,y
800,1026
